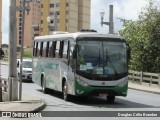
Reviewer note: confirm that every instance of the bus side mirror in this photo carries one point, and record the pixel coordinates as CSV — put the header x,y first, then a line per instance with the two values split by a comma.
x,y
74,54
128,52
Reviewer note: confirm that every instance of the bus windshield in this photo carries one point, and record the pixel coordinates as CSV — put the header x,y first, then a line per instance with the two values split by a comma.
x,y
101,59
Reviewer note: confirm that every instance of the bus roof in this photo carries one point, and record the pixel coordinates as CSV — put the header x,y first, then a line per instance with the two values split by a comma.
x,y
76,35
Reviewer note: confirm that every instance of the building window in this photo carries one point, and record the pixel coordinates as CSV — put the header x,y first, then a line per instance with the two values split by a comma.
x,y
66,20
57,20
57,4
20,28
51,13
58,13
19,42
41,5
66,12
51,5
52,21
67,4
20,15
41,13
41,21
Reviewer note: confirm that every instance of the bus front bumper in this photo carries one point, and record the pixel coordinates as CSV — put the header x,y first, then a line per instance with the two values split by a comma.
x,y
87,90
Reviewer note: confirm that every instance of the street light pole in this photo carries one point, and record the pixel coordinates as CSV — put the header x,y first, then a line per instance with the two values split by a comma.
x,y
110,23
22,42
12,80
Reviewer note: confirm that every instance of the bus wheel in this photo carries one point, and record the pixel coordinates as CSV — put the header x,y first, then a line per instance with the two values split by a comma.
x,y
44,89
65,92
110,99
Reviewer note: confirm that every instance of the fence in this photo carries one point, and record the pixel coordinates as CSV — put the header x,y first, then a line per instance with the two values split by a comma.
x,y
140,77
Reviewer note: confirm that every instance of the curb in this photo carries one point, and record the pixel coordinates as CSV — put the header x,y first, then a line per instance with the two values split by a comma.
x,y
39,108
155,92
36,109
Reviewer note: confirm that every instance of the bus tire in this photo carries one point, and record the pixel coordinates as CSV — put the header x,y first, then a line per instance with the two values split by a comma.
x,y
110,99
66,96
44,89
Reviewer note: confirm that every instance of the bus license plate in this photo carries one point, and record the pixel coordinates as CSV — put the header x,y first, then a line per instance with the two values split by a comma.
x,y
103,94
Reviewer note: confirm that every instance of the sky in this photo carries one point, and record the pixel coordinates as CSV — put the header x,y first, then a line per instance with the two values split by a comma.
x,y
125,9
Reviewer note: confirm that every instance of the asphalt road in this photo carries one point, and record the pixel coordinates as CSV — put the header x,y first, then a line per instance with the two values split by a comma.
x,y
135,100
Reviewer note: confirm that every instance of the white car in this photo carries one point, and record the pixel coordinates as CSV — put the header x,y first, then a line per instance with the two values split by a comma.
x,y
26,69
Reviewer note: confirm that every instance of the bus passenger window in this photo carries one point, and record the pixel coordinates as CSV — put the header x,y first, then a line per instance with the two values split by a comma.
x,y
61,49
54,49
65,49
57,49
50,49
41,49
47,50
38,49
44,49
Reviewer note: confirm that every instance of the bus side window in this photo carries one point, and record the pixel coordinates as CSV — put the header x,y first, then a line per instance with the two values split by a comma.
x,y
50,49
61,49
54,49
44,49
47,50
34,47
41,49
38,49
57,49
72,62
65,49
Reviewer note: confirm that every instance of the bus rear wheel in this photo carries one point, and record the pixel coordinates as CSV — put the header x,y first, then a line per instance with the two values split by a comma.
x,y
44,89
110,99
66,96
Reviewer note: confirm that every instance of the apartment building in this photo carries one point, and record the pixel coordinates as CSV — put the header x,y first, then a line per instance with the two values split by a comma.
x,y
31,23
0,23
65,15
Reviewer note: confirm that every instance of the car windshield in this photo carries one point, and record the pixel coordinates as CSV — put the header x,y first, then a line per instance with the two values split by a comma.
x,y
27,64
102,57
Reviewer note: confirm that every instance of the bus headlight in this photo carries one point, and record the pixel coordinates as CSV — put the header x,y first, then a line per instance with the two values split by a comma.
x,y
82,82
125,82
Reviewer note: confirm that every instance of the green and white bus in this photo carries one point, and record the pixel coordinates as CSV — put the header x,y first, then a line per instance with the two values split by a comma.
x,y
82,64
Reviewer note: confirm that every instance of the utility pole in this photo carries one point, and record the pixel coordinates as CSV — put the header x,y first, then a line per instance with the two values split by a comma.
x,y
22,42
22,8
13,81
110,23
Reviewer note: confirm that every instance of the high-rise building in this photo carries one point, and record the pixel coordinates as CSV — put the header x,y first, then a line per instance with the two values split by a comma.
x,y
31,23
65,15
0,23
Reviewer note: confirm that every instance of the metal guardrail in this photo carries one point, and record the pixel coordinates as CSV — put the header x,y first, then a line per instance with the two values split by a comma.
x,y
151,78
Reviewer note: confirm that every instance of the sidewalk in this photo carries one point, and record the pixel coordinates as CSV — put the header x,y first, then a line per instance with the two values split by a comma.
x,y
144,88
28,104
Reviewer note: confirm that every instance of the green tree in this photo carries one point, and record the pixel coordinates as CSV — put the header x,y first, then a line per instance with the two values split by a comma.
x,y
143,36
